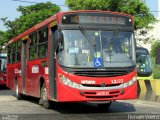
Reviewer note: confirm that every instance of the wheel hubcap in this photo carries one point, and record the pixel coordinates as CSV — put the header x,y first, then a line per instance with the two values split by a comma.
x,y
44,95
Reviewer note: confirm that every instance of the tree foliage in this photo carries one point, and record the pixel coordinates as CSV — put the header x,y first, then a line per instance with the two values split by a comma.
x,y
137,8
3,39
154,46
30,16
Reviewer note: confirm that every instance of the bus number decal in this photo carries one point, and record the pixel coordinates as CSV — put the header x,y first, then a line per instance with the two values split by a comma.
x,y
35,69
16,71
117,81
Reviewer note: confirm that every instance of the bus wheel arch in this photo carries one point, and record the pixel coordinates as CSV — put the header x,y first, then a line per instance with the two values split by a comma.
x,y
41,82
43,94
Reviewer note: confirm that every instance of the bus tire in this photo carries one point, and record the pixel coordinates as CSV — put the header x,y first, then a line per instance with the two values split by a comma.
x,y
18,95
104,106
44,100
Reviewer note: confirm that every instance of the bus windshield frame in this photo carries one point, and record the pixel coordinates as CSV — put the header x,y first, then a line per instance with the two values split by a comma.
x,y
82,50
96,18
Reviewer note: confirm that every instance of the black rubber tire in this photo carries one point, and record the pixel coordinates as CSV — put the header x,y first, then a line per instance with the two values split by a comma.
x,y
17,94
43,99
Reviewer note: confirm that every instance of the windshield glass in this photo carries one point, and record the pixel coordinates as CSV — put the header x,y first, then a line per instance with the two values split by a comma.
x,y
91,48
144,63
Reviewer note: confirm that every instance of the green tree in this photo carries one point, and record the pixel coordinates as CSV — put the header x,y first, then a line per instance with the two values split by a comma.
x,y
3,39
156,68
154,46
30,16
137,8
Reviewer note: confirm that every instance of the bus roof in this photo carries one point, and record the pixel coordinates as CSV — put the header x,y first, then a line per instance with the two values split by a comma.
x,y
58,18
142,51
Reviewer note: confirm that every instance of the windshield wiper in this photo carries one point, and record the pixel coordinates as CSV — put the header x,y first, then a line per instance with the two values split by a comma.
x,y
115,34
110,45
88,37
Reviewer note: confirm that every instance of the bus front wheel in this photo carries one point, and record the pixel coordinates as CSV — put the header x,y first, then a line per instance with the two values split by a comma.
x,y
44,100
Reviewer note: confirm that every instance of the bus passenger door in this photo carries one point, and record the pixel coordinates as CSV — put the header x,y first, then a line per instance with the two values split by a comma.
x,y
52,63
24,65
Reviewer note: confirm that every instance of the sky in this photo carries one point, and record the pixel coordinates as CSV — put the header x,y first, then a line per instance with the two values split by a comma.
x,y
153,6
8,8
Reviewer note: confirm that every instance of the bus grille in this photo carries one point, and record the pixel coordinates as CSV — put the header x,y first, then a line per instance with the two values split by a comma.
x,y
96,85
100,73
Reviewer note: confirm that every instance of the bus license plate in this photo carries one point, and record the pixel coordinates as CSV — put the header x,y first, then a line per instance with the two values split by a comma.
x,y
102,93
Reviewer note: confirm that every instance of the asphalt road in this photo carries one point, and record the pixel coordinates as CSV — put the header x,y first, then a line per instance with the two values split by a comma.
x,y
28,109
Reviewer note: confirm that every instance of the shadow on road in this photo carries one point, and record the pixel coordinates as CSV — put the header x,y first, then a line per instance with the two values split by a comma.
x,y
79,108
3,87
82,108
86,108
5,91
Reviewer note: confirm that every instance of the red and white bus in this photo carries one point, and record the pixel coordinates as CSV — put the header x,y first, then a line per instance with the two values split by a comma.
x,y
3,62
75,56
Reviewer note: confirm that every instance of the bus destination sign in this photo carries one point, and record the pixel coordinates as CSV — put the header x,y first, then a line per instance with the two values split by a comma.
x,y
96,18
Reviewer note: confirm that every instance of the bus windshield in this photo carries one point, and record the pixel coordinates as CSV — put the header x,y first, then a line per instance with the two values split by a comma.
x,y
94,48
144,63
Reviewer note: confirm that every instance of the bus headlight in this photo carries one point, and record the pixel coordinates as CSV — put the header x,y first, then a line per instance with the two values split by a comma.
x,y
68,82
129,83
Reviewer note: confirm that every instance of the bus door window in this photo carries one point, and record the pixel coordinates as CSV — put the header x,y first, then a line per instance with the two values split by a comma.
x,y
43,43
33,46
13,56
18,52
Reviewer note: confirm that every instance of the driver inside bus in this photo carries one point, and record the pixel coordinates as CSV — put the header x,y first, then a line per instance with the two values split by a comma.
x,y
73,47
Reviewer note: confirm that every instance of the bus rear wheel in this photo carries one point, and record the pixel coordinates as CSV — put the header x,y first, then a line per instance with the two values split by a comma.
x,y
18,95
44,100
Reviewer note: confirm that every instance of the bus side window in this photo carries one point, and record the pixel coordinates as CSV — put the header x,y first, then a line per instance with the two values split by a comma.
x,y
9,53
43,43
18,51
33,46
13,52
